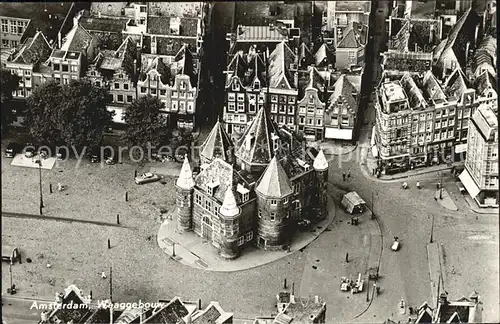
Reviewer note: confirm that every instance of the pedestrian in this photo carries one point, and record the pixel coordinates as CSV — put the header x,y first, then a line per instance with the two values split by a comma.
x,y
349,173
438,185
103,275
377,290
49,265
343,176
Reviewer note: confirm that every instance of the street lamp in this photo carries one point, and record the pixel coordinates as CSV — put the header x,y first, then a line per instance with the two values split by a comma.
x,y
432,228
39,162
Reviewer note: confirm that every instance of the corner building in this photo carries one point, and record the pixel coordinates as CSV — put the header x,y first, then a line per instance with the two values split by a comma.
x,y
254,192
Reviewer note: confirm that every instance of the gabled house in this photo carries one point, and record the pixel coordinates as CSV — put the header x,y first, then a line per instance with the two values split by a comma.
x,y
486,90
27,62
261,37
78,312
245,80
311,106
324,57
70,61
464,310
341,113
485,57
117,70
350,50
173,312
213,314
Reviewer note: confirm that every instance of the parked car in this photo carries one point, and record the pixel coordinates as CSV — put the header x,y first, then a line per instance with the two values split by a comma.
x,y
94,156
110,160
44,153
10,253
147,178
30,150
395,244
12,149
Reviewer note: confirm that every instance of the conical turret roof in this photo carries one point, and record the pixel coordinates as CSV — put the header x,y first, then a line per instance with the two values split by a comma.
x,y
320,163
274,182
229,207
185,180
217,144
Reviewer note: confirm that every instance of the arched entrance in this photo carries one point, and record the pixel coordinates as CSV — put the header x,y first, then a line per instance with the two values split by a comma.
x,y
206,228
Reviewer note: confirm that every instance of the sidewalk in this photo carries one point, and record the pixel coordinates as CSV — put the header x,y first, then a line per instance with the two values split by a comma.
x,y
446,201
196,252
478,210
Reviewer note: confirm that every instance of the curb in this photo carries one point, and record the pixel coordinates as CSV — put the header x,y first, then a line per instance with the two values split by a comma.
x,y
397,178
343,153
299,248
475,210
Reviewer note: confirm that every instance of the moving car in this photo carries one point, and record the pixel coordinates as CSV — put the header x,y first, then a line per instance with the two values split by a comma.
x,y
12,149
395,245
147,178
110,160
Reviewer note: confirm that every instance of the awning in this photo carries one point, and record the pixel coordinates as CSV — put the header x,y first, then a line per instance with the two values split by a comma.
x,y
460,148
469,183
336,133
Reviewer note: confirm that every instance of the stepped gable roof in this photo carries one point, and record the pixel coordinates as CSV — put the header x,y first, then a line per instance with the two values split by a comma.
x,y
274,182
256,144
77,40
72,296
355,36
486,53
415,96
184,63
320,163
220,176
431,88
344,89
229,206
174,312
313,80
185,180
236,67
33,50
131,314
456,84
489,44
485,81
279,67
218,144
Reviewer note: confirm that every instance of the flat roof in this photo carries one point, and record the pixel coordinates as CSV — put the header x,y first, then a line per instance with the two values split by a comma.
x,y
393,91
352,6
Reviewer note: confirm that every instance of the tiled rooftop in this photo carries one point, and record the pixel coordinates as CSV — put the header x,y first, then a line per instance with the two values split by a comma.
x,y
103,24
259,13
250,33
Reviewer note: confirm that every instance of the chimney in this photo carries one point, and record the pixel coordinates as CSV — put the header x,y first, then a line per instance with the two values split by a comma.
x,y
292,299
153,45
99,14
474,297
199,304
443,299
316,299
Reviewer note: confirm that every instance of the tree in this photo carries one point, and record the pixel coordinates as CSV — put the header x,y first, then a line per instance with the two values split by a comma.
x,y
74,114
181,142
146,123
9,83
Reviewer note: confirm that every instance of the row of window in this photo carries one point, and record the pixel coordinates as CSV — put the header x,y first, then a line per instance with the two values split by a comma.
x,y
64,67
245,238
319,121
311,110
272,215
7,43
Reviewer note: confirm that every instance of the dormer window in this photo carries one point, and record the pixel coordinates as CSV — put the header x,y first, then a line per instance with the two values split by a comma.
x,y
211,187
274,202
273,217
236,86
256,85
244,192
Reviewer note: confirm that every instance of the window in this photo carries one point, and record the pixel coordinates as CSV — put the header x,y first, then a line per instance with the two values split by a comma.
x,y
231,96
273,217
5,27
143,90
153,91
241,240
142,9
5,42
129,99
174,105
74,68
14,43
231,106
56,67
174,94
291,110
311,99
125,86
274,98
13,29
274,108
318,122
273,202
260,213
291,100
119,98
235,86
301,120
182,94
248,236
345,121
65,67
296,188
117,85
309,121
98,83
241,97
208,205
281,119
290,120
241,107
163,92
